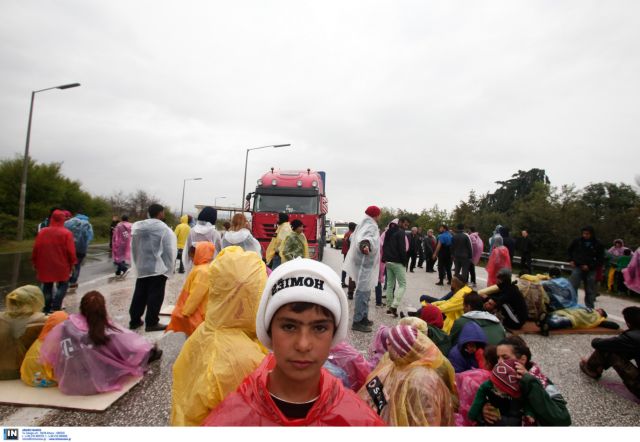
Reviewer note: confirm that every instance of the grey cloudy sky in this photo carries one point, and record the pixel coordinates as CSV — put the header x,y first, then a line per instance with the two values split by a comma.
x,y
403,103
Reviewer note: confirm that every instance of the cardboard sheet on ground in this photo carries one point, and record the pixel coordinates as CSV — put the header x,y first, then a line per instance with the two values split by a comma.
x,y
530,327
15,392
166,311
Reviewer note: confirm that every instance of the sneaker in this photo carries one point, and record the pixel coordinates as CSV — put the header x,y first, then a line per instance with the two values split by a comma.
x,y
350,297
359,326
392,312
379,305
133,326
368,322
157,327
155,354
344,286
439,283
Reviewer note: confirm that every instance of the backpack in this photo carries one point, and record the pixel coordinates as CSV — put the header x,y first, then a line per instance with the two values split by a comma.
x,y
535,296
80,230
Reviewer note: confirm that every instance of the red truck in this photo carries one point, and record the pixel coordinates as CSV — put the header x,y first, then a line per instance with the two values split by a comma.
x,y
298,193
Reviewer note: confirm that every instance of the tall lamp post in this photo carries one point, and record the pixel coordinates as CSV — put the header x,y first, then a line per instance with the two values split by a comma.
x,y
246,160
25,165
184,182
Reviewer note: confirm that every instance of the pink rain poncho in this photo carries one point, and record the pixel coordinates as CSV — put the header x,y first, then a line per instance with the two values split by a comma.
x,y
83,368
121,245
468,383
632,273
352,362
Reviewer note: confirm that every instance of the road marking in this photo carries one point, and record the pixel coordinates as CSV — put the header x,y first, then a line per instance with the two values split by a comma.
x,y
26,417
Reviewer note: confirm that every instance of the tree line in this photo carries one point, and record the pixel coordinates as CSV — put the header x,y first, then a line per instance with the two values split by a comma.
x,y
552,215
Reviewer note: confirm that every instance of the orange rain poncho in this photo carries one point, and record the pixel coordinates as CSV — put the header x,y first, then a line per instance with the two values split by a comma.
x,y
191,307
224,349
33,372
452,308
419,387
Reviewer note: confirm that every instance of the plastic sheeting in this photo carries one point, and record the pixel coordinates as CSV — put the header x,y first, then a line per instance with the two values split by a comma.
x,y
224,349
468,383
33,372
499,259
364,269
452,307
351,361
277,242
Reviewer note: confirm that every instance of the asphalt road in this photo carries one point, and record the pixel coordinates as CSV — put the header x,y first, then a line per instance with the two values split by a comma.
x,y
149,403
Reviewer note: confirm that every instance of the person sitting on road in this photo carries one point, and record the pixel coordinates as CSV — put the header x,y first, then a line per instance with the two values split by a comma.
x,y
547,405
560,291
303,313
473,306
239,234
508,301
468,382
617,352
33,371
191,308
90,354
414,384
453,307
468,353
498,260
224,348
20,325
440,338
295,245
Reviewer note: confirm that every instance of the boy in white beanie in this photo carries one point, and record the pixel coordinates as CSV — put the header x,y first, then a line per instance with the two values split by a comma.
x,y
302,314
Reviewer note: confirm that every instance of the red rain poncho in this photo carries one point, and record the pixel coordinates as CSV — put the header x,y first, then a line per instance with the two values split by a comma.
x,y
251,405
499,259
54,251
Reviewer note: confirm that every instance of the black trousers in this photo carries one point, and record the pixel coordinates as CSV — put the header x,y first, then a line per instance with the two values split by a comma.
x,y
525,264
412,256
462,269
472,273
149,295
430,263
444,266
629,373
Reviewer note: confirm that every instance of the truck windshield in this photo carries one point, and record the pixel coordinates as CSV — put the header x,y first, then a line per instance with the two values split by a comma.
x,y
341,230
286,204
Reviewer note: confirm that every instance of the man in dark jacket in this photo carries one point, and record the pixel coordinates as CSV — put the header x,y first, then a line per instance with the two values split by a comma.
x,y
508,301
461,252
429,245
346,243
617,352
525,247
508,242
394,254
414,244
586,254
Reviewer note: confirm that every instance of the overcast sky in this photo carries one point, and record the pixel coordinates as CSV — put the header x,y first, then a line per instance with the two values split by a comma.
x,y
403,103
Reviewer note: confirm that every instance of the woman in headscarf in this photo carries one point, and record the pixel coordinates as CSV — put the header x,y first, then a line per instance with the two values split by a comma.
x,y
239,235
224,349
20,325
499,259
90,354
204,230
33,372
414,384
191,307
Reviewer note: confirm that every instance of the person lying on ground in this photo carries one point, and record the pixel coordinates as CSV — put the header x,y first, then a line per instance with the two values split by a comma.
x,y
468,353
578,317
303,312
560,290
33,371
452,308
90,354
473,307
617,352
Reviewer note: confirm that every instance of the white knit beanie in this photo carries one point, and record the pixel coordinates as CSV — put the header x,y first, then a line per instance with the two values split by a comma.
x,y
303,280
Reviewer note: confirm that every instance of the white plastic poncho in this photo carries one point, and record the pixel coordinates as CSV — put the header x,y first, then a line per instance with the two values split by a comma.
x,y
153,248
242,238
363,269
202,231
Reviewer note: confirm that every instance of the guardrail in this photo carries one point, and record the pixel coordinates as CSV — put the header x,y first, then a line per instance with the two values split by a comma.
x,y
545,264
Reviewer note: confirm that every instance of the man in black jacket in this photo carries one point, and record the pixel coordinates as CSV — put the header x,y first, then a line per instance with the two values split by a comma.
x,y
394,254
508,242
525,247
461,252
509,302
586,254
414,244
617,352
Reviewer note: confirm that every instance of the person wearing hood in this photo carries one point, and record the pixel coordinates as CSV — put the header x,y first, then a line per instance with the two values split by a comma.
x,y
53,258
586,254
499,259
191,307
224,348
20,325
494,235
362,264
614,254
153,248
204,230
303,313
508,242
395,258
239,234
273,254
34,372
468,353
182,233
508,301
473,306
560,291
413,384
82,231
477,246
295,245
429,321
121,247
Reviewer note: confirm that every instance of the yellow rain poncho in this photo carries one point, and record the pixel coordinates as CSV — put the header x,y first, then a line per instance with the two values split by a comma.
x,y
452,307
224,349
20,325
418,386
581,317
182,231
33,372
277,242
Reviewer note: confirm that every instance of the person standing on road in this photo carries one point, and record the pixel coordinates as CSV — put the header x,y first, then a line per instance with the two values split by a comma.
x,y
395,257
586,254
295,246
204,230
53,257
477,245
239,234
182,233
112,227
154,249
429,244
414,245
82,236
121,251
443,253
346,243
508,242
272,254
421,254
525,247
462,253
362,264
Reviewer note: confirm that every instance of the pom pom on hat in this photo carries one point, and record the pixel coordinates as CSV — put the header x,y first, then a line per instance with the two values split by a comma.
x,y
303,280
373,211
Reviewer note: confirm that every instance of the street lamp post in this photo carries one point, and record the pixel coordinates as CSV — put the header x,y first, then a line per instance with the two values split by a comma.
x,y
246,160
25,164
215,200
184,182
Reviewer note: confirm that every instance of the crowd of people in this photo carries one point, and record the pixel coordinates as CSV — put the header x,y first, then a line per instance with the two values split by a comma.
x,y
266,337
